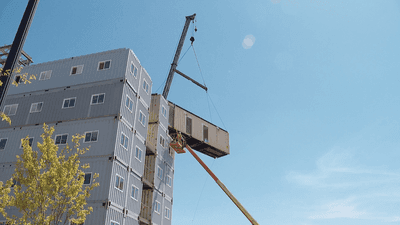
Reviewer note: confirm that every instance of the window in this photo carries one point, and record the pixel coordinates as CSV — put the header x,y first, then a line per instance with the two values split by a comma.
x,y
91,136
88,178
10,110
205,133
18,79
76,70
169,180
157,207
145,86
97,99
188,125
134,70
30,142
142,118
3,142
124,141
69,102
167,213
119,182
45,75
104,65
129,103
114,223
36,107
61,139
160,172
162,141
15,182
138,154
135,192
164,111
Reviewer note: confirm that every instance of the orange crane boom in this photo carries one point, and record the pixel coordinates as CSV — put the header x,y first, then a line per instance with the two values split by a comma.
x,y
178,147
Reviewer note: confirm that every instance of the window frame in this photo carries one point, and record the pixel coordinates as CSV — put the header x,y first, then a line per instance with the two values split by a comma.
x,y
169,178
208,139
162,141
119,182
84,140
98,65
130,103
90,179
169,213
135,70
136,190
91,99
55,138
163,109
4,109
158,206
186,125
30,111
5,145
141,114
125,139
20,145
112,222
78,70
45,75
147,86
158,173
68,104
141,152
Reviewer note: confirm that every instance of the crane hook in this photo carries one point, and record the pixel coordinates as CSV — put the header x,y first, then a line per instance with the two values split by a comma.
x,y
192,39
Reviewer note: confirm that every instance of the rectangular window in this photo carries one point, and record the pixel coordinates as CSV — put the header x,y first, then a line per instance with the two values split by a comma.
x,y
104,65
133,70
124,141
205,133
91,136
10,110
142,118
76,70
160,172
157,207
61,139
114,223
69,102
169,181
167,213
119,182
135,192
3,142
45,75
97,99
129,103
145,86
138,154
36,107
164,111
188,125
88,178
162,141
30,142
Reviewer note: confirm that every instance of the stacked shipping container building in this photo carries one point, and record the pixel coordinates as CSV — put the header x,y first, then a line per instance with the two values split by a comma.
x,y
107,97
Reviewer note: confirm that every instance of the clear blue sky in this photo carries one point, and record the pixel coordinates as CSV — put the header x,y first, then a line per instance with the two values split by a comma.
x,y
308,90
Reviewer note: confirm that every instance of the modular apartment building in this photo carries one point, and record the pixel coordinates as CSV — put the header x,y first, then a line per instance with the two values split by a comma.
x,y
106,97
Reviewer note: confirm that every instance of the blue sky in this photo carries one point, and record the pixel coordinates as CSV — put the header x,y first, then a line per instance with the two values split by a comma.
x,y
308,91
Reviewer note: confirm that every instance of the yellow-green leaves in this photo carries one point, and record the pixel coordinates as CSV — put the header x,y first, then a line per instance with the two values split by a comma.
x,y
47,186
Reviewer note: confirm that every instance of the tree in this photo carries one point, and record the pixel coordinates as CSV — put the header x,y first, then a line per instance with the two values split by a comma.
x,y
47,186
23,78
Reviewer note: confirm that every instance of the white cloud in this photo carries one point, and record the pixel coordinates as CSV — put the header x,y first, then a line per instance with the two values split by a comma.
x,y
339,209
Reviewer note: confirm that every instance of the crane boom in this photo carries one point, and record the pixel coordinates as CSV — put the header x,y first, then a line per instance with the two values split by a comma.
x,y
177,54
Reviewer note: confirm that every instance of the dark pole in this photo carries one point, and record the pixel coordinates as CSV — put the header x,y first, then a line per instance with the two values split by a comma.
x,y
16,48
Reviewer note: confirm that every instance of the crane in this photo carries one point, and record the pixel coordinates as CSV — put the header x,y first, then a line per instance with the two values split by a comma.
x,y
178,143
